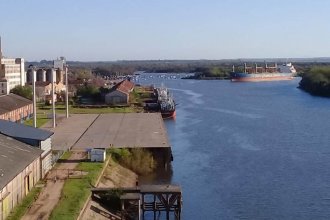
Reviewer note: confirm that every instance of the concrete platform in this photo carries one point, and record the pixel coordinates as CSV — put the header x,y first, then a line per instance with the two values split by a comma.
x,y
129,130
69,130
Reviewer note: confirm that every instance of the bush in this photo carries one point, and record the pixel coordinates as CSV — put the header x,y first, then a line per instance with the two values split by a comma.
x,y
25,91
138,160
316,81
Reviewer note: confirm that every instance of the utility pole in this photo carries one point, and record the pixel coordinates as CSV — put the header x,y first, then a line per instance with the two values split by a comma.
x,y
53,97
34,97
66,91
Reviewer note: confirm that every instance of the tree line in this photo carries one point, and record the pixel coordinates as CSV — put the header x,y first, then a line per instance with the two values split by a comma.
x,y
316,81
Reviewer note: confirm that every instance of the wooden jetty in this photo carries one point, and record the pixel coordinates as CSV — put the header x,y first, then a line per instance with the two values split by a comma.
x,y
149,198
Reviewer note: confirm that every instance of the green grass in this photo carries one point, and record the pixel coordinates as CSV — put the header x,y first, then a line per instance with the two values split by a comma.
x,y
22,208
76,191
66,155
44,111
60,109
41,120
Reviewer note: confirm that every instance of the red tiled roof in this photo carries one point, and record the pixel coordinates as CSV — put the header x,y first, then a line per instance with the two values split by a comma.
x,y
124,86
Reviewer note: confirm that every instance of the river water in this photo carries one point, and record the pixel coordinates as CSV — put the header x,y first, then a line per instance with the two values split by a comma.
x,y
249,150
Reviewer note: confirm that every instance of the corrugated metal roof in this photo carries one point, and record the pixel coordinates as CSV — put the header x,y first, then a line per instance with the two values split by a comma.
x,y
17,130
11,102
15,156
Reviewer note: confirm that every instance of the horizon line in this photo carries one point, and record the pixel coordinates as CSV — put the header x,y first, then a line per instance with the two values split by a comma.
x,y
224,59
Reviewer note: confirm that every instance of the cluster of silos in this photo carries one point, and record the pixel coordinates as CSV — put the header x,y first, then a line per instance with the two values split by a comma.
x,y
45,75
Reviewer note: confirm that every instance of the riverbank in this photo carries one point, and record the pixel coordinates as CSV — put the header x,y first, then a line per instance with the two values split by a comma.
x,y
316,81
114,175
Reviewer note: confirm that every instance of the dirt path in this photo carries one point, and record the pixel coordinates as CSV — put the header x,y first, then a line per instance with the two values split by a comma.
x,y
51,193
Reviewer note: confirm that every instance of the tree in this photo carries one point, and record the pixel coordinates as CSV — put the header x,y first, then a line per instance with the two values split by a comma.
x,y
25,91
87,90
317,81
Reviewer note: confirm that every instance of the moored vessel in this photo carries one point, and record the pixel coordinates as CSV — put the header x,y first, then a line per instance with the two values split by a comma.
x,y
264,73
166,103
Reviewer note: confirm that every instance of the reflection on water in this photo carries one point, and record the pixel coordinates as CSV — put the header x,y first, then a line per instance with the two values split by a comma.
x,y
160,176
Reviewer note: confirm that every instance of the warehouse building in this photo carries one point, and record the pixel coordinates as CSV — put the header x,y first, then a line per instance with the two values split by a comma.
x,y
119,94
34,137
20,170
15,108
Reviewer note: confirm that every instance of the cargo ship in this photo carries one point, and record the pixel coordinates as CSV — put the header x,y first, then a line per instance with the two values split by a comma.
x,y
264,73
166,103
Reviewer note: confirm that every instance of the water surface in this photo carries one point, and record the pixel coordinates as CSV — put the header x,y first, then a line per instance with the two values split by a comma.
x,y
249,150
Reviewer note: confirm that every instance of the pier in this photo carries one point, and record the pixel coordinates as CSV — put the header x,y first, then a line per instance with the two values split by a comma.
x,y
115,130
157,199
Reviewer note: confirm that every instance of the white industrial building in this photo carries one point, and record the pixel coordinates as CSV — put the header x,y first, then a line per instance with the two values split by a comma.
x,y
12,73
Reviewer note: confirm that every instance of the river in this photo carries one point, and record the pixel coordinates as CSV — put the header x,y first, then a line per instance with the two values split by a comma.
x,y
249,150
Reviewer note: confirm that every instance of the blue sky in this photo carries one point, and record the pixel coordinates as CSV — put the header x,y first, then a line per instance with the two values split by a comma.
x,y
164,29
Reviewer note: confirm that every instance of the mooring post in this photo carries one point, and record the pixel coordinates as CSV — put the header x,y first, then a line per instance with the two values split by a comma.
x,y
139,211
154,207
142,206
167,208
122,209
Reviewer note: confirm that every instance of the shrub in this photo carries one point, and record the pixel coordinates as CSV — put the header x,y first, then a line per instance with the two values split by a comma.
x,y
138,160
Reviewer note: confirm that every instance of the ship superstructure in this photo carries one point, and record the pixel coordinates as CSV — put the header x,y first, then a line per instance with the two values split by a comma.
x,y
166,102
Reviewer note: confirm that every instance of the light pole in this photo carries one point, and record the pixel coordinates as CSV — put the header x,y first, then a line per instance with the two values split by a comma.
x,y
66,91
53,97
34,96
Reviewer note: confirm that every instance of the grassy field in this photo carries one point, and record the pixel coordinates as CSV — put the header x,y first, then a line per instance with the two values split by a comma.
x,y
41,120
22,208
44,112
76,191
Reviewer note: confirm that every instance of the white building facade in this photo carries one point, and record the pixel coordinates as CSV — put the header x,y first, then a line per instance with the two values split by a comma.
x,y
12,73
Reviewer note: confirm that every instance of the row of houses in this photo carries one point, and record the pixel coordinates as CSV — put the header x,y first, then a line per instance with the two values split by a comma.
x,y
25,158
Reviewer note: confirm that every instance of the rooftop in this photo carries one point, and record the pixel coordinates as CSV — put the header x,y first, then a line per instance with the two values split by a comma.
x,y
17,130
11,102
130,130
124,86
15,156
